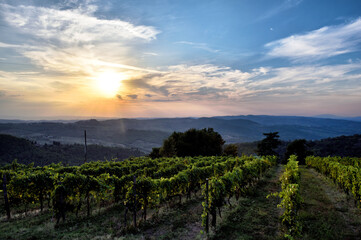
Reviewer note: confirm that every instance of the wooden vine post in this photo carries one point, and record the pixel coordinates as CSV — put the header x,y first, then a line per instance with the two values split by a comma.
x,y
207,197
7,207
62,204
88,197
125,214
134,201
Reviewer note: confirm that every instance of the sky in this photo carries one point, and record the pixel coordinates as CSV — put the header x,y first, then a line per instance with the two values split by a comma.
x,y
170,58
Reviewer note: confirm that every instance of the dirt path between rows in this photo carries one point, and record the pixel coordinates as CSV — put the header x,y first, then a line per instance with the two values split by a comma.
x,y
327,212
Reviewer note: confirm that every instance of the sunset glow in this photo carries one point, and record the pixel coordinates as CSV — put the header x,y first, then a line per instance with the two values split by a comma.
x,y
108,83
223,58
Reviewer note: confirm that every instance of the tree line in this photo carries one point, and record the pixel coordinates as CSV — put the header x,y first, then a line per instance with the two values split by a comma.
x,y
207,142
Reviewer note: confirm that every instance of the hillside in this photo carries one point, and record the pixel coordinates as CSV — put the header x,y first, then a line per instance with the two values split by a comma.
x,y
73,154
344,146
144,134
26,152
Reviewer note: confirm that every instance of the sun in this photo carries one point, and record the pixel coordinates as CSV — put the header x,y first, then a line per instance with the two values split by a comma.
x,y
108,83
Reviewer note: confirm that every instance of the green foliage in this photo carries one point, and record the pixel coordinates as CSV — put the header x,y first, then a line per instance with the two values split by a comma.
x,y
230,150
266,146
155,153
204,142
232,183
298,147
157,181
291,199
346,172
343,146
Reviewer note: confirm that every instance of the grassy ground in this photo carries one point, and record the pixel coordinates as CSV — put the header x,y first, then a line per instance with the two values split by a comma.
x,y
326,212
180,221
42,226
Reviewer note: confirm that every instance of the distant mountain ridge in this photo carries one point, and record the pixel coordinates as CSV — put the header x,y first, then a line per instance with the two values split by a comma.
x,y
147,133
330,116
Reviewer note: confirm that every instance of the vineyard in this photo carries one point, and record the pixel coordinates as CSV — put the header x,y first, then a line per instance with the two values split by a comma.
x,y
139,192
138,184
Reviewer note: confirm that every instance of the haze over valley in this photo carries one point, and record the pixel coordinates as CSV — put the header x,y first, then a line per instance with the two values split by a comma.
x,y
144,134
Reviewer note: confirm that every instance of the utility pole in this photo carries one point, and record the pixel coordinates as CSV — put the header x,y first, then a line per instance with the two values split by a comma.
x,y
85,147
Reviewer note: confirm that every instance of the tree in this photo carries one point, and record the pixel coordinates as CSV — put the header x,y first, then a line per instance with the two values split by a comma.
x,y
230,150
155,153
267,145
297,147
193,142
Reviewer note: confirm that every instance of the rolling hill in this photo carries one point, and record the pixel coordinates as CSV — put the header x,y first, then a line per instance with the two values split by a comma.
x,y
144,134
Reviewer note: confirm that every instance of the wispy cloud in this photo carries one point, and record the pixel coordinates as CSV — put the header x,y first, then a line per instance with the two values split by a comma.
x,y
132,96
321,43
6,45
203,46
287,4
124,66
151,53
72,40
188,82
73,25
61,86
305,74
216,83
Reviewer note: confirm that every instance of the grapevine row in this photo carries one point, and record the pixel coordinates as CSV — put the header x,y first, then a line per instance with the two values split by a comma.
x,y
343,171
157,181
219,189
290,198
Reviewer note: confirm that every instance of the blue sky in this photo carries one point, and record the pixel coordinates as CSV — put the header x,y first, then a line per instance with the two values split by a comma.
x,y
83,58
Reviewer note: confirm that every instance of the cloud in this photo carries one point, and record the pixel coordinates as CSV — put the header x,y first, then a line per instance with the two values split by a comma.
x,y
151,54
203,46
61,86
286,4
190,82
123,66
73,25
70,39
70,45
6,45
143,83
260,88
213,93
212,83
330,81
321,43
132,96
